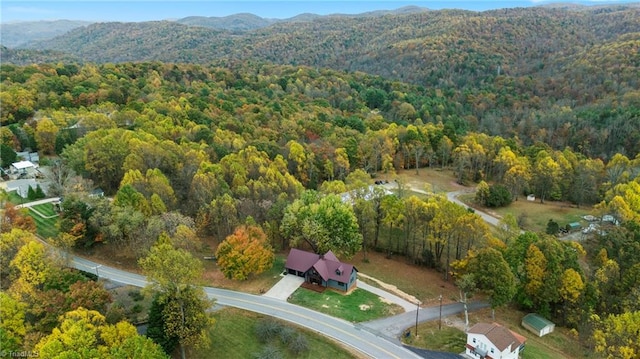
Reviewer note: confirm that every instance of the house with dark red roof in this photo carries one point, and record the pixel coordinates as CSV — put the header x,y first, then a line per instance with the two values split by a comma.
x,y
493,341
322,269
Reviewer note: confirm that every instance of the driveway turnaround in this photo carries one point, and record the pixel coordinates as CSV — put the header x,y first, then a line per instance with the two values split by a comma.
x,y
285,287
408,306
393,327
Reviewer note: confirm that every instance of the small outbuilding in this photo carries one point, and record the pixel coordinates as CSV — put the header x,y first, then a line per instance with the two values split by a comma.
x,y
26,167
574,226
537,324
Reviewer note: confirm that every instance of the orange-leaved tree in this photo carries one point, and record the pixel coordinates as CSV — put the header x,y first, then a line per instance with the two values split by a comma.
x,y
244,252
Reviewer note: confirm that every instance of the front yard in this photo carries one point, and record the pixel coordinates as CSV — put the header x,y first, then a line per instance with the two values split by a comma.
x,y
357,306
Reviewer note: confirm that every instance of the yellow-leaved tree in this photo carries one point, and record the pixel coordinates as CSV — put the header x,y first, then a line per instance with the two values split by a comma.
x,y
85,334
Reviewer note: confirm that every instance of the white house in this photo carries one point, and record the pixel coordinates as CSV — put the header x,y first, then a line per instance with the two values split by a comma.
x,y
493,341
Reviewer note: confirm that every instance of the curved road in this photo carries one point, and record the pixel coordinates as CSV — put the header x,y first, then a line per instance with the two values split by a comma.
x,y
376,339
453,197
370,342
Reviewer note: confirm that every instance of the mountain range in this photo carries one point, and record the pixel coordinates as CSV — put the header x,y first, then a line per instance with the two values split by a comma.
x,y
409,44
21,34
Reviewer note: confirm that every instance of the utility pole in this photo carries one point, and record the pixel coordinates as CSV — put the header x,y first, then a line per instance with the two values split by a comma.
x,y
97,272
417,311
440,320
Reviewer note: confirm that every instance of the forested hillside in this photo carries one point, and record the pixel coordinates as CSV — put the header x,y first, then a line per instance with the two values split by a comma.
x,y
195,151
559,76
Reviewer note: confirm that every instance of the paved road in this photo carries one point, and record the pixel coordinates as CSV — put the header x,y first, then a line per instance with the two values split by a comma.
x,y
453,197
393,327
369,342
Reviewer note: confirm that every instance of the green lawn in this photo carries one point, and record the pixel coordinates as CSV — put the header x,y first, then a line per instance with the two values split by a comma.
x,y
15,199
537,351
448,339
234,336
535,214
46,227
46,209
357,306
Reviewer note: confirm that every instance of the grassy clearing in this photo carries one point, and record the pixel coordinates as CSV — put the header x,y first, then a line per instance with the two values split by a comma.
x,y
439,180
538,214
357,306
234,336
448,339
535,214
45,227
133,301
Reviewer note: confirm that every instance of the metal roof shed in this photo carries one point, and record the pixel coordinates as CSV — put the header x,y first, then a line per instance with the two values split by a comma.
x,y
23,165
574,226
537,324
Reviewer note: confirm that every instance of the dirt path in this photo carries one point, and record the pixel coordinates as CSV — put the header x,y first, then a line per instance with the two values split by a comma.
x,y
391,288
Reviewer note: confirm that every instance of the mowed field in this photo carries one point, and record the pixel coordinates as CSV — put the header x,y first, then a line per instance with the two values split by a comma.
x,y
534,215
46,218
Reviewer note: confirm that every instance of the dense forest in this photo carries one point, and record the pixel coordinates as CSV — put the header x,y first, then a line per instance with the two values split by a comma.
x,y
558,76
192,150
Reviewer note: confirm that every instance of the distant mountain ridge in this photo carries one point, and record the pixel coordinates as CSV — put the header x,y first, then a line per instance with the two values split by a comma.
x,y
23,33
596,50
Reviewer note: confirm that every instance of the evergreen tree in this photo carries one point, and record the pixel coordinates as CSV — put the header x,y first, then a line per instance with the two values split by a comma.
x,y
156,330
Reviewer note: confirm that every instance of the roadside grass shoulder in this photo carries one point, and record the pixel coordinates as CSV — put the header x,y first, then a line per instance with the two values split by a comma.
x,y
234,336
448,339
356,306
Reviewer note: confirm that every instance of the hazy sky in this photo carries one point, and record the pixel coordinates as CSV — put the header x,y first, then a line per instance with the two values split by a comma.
x,y
122,10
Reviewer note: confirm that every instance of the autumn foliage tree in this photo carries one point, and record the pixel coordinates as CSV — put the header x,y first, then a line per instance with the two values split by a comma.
x,y
618,336
245,252
85,334
174,274
322,222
